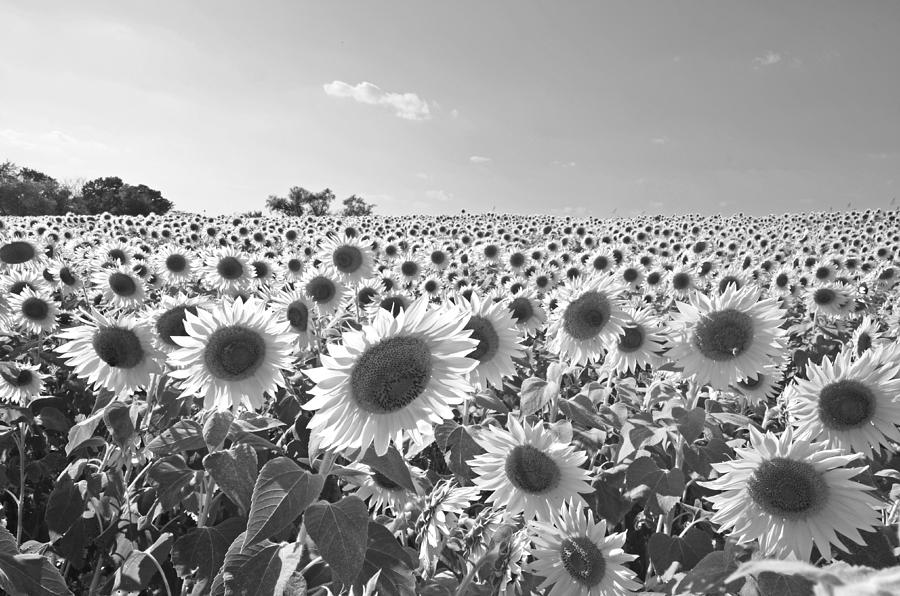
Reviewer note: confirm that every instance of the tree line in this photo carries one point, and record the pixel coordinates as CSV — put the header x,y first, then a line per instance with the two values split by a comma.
x,y
300,201
25,191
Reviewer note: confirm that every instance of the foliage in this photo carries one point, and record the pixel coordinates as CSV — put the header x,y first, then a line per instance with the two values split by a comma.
x,y
304,202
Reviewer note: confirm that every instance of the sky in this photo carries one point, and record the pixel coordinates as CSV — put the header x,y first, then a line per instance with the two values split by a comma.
x,y
569,108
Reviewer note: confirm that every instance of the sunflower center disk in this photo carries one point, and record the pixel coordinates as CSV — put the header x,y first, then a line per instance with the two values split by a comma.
x,y
391,374
171,323
229,268
781,280
724,335
863,343
749,383
65,275
298,315
35,309
321,289
117,254
583,560
846,404
176,263
347,259
788,488
632,339
587,315
261,268
531,470
521,309
393,304
122,284
409,268
17,378
16,253
488,340
118,347
824,296
234,353
366,296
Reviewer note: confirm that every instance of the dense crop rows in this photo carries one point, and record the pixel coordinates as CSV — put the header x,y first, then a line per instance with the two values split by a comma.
x,y
475,404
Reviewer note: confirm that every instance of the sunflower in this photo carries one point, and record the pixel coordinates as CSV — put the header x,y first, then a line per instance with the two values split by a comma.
x,y
33,312
232,354
66,277
639,345
167,321
867,335
790,494
440,515
13,281
398,375
529,469
120,287
174,265
498,341
588,319
576,557
381,492
408,269
762,387
115,253
782,281
20,382
324,291
527,312
295,309
726,338
227,271
116,353
347,257
848,405
20,253
432,286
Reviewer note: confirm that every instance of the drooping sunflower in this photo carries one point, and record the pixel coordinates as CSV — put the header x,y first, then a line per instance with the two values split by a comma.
x,y
867,335
576,557
348,257
527,311
20,382
791,494
529,470
498,341
112,352
232,354
398,375
848,405
587,320
295,309
639,345
381,492
726,338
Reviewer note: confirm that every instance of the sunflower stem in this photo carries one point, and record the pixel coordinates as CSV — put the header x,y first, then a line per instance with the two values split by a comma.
x,y
20,506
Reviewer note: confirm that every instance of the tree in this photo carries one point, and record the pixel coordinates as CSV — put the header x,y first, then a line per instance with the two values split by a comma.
x,y
101,194
24,191
112,195
301,201
355,206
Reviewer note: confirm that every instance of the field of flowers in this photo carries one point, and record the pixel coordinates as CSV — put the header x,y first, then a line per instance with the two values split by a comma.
x,y
472,404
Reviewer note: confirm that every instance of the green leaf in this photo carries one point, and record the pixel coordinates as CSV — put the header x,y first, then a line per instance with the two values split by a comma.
x,y
385,554
688,550
266,572
689,423
201,552
712,574
83,431
774,584
216,427
340,531
184,435
117,417
52,419
535,394
139,569
8,544
282,492
392,465
64,506
235,472
661,484
462,446
31,575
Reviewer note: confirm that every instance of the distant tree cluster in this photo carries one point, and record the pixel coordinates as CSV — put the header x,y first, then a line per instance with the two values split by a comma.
x,y
24,191
304,202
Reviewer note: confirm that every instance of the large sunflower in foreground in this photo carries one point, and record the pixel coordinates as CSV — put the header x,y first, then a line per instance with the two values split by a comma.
x,y
529,469
115,353
401,374
588,319
790,494
576,557
726,338
849,405
232,354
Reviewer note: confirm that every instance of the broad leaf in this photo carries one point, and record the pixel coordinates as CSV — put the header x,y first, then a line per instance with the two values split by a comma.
x,y
235,472
282,492
31,575
455,438
64,507
688,550
392,465
139,569
202,551
535,394
216,427
266,572
385,554
340,531
184,435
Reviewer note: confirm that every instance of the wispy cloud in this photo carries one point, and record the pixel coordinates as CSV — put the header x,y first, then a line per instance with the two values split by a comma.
x,y
479,159
441,196
54,141
770,58
564,164
659,140
408,106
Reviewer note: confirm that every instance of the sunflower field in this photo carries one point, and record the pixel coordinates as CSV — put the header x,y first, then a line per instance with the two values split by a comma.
x,y
475,404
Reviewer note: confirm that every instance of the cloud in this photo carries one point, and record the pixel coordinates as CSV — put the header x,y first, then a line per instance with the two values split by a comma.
x,y
659,140
770,58
408,106
479,159
442,196
564,164
422,176
54,141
